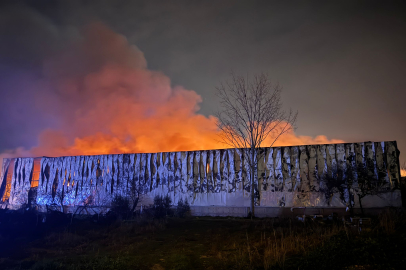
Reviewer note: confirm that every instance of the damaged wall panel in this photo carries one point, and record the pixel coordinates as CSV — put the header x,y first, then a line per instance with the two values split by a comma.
x,y
311,176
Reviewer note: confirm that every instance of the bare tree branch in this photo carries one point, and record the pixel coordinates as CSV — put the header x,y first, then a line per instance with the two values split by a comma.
x,y
251,111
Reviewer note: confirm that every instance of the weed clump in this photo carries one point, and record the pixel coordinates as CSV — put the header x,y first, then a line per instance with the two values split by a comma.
x,y
120,206
183,208
162,206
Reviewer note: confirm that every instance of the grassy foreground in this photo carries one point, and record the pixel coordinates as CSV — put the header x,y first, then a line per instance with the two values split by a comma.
x,y
201,243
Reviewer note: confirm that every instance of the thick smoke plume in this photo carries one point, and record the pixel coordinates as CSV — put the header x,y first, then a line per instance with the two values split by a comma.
x,y
97,96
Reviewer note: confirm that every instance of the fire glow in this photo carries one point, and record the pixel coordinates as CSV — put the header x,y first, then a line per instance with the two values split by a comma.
x,y
105,100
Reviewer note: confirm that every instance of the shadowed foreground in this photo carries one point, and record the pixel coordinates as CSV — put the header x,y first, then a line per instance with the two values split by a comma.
x,y
199,243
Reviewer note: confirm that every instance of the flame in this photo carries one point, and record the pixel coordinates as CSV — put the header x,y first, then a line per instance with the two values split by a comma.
x,y
403,172
105,100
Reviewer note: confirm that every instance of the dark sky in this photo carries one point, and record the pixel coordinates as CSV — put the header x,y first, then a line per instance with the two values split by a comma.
x,y
341,63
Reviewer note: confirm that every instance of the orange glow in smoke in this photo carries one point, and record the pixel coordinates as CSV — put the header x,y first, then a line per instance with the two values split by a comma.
x,y
145,139
107,101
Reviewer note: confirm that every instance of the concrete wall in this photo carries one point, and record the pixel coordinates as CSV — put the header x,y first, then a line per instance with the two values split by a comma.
x,y
295,176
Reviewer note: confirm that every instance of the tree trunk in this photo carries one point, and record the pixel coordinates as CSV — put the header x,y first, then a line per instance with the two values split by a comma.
x,y
360,204
134,206
252,182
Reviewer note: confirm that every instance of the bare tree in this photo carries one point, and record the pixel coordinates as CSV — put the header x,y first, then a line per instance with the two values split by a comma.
x,y
251,111
134,193
369,184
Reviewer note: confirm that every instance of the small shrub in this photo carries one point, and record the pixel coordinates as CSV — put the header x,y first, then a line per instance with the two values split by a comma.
x,y
120,206
162,206
183,208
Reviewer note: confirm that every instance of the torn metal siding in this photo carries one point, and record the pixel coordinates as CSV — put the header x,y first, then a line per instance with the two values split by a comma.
x,y
3,175
312,176
21,182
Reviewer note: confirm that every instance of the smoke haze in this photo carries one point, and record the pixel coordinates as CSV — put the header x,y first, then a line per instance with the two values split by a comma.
x,y
90,77
97,96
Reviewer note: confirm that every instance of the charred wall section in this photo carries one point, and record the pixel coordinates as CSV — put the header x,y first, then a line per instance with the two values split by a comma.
x,y
330,175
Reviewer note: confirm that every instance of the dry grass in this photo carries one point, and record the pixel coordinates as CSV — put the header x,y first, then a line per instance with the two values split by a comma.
x,y
209,243
271,245
391,220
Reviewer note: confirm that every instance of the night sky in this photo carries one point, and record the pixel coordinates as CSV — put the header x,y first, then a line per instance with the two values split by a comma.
x,y
67,66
